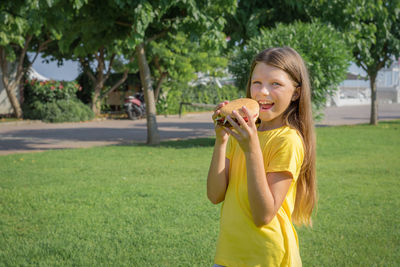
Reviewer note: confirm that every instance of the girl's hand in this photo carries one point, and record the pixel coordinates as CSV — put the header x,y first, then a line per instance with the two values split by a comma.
x,y
245,132
220,131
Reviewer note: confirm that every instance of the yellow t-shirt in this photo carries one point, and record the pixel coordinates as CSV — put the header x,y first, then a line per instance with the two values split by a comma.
x,y
241,242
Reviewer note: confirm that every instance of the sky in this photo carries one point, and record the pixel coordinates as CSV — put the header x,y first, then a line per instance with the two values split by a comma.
x,y
68,72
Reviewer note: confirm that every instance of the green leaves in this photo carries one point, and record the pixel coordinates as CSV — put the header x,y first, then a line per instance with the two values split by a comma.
x,y
371,28
77,4
144,15
181,37
323,49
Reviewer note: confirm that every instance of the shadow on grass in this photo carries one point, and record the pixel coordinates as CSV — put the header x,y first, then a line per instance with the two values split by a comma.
x,y
380,123
392,122
185,143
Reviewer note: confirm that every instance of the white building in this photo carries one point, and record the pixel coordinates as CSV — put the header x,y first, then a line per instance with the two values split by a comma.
x,y
355,90
5,105
388,84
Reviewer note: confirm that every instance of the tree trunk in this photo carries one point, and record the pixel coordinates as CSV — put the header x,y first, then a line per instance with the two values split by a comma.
x,y
158,86
11,81
96,101
153,136
374,102
11,89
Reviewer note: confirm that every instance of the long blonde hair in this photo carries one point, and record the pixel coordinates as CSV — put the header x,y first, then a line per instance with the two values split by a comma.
x,y
298,116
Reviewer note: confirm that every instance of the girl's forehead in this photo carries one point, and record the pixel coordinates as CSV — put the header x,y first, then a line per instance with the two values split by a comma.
x,y
263,70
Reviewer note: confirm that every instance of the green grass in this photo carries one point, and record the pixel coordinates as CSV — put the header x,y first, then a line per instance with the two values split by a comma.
x,y
147,206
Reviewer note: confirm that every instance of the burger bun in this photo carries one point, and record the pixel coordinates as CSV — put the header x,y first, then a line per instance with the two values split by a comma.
x,y
237,105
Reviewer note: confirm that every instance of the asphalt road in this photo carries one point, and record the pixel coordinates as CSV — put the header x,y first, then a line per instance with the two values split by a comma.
x,y
34,136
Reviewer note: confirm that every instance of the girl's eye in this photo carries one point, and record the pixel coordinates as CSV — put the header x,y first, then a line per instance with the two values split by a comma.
x,y
256,82
275,84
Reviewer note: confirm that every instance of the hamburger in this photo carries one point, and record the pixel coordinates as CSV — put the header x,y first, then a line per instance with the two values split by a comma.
x,y
237,105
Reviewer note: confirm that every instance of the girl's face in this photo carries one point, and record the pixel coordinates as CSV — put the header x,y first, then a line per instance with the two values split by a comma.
x,y
273,89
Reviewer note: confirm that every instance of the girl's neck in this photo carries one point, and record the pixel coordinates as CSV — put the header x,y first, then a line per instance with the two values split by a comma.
x,y
270,125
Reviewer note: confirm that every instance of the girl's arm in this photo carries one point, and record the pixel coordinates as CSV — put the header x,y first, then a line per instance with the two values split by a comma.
x,y
218,174
266,191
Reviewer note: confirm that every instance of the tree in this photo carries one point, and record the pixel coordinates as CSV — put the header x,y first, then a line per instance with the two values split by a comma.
x,y
95,38
177,60
153,21
322,47
251,16
24,26
372,30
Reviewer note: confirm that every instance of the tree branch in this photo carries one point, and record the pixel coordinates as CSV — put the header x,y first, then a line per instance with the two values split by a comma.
x,y
163,75
40,49
117,84
100,65
121,81
87,69
156,36
109,67
20,67
98,55
123,23
364,67
158,86
4,66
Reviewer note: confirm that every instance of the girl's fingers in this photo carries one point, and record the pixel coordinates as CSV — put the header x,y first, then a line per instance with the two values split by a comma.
x,y
250,117
220,105
230,132
217,108
234,124
242,122
216,112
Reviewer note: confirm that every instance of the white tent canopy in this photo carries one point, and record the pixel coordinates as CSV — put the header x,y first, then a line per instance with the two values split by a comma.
x,y
33,74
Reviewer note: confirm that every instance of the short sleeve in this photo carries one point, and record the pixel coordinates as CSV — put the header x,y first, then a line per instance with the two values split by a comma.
x,y
229,148
287,154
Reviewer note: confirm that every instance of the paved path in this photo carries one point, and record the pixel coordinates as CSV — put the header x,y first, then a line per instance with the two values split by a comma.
x,y
25,136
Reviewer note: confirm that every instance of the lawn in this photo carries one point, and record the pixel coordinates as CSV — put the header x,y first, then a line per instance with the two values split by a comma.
x,y
147,206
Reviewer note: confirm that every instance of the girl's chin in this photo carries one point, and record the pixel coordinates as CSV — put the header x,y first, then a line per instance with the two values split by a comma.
x,y
265,110
264,117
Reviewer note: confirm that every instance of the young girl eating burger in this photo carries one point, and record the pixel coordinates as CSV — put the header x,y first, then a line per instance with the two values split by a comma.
x,y
264,172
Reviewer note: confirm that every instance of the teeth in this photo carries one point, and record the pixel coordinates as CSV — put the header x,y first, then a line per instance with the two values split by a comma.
x,y
265,102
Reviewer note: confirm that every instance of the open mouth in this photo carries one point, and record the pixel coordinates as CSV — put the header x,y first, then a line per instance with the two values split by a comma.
x,y
265,105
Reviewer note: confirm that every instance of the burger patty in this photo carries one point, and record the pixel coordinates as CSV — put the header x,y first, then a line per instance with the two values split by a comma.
x,y
225,123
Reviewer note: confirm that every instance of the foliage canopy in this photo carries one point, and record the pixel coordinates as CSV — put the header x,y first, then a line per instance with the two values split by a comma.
x,y
322,47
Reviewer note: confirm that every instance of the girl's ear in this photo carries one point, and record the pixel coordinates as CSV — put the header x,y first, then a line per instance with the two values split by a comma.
x,y
296,93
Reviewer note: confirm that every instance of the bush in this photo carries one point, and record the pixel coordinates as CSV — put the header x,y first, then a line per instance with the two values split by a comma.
x,y
50,91
59,111
54,101
322,47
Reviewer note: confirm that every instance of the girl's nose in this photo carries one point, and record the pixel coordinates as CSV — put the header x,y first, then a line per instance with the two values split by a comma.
x,y
264,90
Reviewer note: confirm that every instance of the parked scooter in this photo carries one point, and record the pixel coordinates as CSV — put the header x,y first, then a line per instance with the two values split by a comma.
x,y
135,106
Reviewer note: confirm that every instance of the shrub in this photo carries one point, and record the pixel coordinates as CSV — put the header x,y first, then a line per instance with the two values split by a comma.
x,y
50,91
54,101
59,111
322,47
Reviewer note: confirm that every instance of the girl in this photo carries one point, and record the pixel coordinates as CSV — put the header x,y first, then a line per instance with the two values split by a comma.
x,y
265,172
